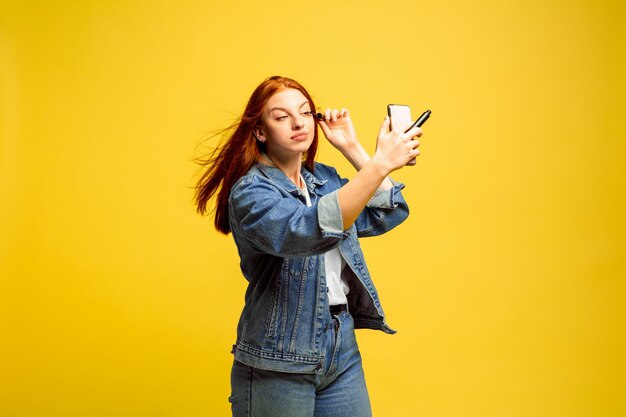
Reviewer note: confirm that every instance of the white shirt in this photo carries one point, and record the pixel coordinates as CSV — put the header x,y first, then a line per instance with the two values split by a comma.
x,y
337,286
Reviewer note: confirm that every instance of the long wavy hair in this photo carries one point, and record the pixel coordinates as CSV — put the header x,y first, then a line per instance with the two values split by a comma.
x,y
240,150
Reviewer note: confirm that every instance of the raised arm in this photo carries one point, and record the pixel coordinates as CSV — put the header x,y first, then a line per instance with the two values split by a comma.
x,y
393,151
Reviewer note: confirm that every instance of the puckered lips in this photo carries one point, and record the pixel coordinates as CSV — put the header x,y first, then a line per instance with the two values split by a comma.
x,y
300,136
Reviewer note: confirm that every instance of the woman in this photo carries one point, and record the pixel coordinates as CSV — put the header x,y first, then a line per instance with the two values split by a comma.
x,y
296,224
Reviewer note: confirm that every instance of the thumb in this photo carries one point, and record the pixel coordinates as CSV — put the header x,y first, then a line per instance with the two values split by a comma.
x,y
325,129
384,128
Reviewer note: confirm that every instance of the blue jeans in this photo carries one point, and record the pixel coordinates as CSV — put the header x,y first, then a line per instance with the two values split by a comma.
x,y
339,391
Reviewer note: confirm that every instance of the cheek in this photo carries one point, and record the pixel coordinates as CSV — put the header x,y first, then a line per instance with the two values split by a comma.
x,y
274,131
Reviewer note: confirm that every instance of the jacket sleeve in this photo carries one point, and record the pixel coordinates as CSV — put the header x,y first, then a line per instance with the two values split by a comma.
x,y
279,224
383,212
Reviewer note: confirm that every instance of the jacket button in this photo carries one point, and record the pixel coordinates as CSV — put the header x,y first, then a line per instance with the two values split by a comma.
x,y
327,289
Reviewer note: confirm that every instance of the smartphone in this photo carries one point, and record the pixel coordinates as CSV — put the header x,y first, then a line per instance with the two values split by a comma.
x,y
399,116
400,119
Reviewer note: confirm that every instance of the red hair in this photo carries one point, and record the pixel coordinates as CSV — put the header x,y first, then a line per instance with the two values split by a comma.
x,y
240,151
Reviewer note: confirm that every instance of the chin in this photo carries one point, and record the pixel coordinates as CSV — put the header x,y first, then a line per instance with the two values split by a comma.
x,y
301,144
304,147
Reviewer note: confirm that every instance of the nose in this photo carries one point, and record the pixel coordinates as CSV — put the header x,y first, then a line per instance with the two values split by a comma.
x,y
298,122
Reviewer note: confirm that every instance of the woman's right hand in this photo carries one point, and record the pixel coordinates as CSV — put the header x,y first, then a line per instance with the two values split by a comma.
x,y
394,149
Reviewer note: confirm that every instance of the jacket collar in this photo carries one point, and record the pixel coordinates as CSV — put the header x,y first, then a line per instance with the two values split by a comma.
x,y
279,178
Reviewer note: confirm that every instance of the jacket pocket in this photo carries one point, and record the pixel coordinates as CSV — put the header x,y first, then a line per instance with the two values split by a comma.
x,y
272,322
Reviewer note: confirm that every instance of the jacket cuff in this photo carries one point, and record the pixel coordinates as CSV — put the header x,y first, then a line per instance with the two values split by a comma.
x,y
329,215
386,198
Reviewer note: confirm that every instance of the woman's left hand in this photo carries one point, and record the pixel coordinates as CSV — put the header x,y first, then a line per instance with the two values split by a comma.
x,y
338,129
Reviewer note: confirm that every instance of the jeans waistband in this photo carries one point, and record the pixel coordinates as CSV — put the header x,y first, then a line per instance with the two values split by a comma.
x,y
338,309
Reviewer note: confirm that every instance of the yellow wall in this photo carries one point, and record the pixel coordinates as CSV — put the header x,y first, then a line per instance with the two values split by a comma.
x,y
507,283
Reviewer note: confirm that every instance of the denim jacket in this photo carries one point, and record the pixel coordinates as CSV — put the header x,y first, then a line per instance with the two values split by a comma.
x,y
281,243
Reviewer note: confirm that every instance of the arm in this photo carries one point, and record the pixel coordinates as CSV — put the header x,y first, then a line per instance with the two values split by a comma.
x,y
274,222
394,150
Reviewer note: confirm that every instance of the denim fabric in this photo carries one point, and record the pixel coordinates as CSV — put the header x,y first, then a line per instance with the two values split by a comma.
x,y
339,391
281,242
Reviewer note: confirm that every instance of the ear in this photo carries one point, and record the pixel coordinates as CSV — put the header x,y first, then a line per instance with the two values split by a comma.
x,y
258,133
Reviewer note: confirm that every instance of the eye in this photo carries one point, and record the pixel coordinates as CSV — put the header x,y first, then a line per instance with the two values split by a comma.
x,y
308,113
281,118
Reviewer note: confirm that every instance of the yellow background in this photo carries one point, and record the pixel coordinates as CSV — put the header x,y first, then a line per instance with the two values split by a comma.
x,y
506,284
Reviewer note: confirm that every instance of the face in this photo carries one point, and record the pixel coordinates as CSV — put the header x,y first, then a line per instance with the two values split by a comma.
x,y
288,124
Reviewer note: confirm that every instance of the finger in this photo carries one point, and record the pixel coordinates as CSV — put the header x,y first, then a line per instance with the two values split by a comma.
x,y
412,153
415,131
327,115
334,115
325,129
344,112
384,128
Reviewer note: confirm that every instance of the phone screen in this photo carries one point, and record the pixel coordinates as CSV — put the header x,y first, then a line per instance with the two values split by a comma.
x,y
399,116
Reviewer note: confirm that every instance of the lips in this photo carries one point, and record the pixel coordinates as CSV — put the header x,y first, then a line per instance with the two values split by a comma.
x,y
300,136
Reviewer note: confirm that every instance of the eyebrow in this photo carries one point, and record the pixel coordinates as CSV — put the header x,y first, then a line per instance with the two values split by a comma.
x,y
280,108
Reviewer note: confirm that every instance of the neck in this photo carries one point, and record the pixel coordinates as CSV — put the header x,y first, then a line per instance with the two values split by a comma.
x,y
290,166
